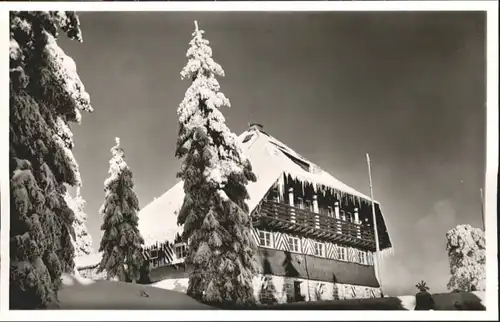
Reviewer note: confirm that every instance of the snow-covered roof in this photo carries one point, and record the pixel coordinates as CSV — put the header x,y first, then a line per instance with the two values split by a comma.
x,y
268,156
158,220
315,176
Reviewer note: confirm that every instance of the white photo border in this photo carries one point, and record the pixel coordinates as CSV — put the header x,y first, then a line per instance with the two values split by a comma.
x,y
491,7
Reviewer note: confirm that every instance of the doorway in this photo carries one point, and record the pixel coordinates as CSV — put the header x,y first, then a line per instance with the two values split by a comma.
x,y
296,291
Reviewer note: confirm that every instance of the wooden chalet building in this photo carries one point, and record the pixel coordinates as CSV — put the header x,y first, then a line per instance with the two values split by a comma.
x,y
315,233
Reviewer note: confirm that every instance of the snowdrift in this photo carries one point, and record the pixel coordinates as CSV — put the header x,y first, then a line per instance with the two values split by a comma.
x,y
78,293
83,294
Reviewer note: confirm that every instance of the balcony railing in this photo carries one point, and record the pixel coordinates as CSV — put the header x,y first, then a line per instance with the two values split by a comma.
x,y
301,221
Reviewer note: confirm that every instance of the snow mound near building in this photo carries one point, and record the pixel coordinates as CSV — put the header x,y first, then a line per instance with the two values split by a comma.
x,y
111,295
89,260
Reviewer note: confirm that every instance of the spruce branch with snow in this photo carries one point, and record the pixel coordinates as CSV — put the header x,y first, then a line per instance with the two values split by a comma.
x,y
82,241
215,174
121,243
466,248
46,97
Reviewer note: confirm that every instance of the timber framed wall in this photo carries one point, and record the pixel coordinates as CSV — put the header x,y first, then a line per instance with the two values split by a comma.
x,y
270,289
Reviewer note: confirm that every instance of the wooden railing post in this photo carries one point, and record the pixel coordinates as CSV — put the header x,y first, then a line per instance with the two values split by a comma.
x,y
358,223
345,227
337,217
316,211
275,208
293,219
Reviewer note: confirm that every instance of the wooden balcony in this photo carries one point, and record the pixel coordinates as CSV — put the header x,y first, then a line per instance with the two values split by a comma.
x,y
282,217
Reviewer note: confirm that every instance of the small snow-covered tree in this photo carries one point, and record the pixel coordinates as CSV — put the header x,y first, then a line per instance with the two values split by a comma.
x,y
121,242
82,241
466,248
46,96
215,173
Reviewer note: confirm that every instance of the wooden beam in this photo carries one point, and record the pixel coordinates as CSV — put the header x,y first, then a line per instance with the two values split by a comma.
x,y
336,237
302,227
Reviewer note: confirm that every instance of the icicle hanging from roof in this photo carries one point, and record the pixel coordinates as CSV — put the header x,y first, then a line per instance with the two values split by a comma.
x,y
281,186
322,189
386,253
340,195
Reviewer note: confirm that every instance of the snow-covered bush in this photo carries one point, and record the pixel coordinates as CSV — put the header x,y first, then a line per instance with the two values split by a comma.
x,y
466,248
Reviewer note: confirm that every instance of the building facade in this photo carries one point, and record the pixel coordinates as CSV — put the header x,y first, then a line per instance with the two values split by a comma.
x,y
315,234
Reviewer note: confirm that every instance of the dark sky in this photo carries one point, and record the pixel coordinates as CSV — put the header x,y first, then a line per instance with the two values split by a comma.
x,y
409,88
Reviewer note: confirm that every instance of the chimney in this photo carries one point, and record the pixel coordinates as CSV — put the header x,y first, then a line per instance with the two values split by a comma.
x,y
255,126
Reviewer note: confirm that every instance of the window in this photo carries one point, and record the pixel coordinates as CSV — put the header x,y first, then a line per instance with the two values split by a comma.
x,y
274,195
300,203
309,205
247,138
362,257
319,249
154,263
181,251
294,244
153,253
330,212
265,238
342,254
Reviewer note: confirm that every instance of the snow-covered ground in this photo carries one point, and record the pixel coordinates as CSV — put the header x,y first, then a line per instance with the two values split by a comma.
x,y
473,301
79,294
178,284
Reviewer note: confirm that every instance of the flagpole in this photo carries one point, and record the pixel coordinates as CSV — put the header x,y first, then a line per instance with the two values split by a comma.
x,y
377,247
482,208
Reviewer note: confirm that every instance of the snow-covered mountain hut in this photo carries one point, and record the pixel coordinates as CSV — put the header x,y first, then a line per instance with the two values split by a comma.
x,y
315,233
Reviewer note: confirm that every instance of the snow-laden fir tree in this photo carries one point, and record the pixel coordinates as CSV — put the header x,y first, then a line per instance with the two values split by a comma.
x,y
82,241
215,173
466,248
46,96
121,243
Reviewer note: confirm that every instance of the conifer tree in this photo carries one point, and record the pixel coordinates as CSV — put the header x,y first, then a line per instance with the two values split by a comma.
x,y
82,241
466,248
215,174
121,242
46,96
